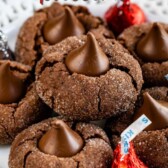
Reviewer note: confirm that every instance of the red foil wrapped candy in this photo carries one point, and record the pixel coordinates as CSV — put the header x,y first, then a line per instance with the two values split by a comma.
x,y
129,160
119,17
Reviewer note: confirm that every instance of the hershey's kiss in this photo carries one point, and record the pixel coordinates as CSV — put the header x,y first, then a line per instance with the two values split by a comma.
x,y
5,52
62,26
155,110
11,87
89,59
61,141
153,47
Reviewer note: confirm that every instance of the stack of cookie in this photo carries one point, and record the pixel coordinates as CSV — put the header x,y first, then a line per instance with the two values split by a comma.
x,y
71,66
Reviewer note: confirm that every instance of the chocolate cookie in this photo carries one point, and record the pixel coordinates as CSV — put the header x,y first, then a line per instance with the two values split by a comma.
x,y
148,43
20,106
83,78
55,143
150,145
51,25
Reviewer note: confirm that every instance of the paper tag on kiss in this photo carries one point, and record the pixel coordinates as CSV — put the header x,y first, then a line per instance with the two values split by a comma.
x,y
132,131
166,76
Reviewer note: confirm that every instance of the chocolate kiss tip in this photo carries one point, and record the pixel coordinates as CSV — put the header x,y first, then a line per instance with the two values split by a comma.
x,y
5,65
158,28
156,24
59,124
68,13
60,141
89,59
91,37
4,70
147,95
68,10
155,110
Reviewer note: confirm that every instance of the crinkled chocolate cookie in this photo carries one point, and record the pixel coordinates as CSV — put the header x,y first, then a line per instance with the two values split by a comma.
x,y
53,24
152,143
83,78
148,43
55,143
20,106
152,146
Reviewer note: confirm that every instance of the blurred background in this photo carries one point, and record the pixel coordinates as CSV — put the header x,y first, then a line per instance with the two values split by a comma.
x,y
14,12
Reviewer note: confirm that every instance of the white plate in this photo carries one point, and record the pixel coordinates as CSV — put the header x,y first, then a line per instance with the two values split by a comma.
x,y
12,29
4,153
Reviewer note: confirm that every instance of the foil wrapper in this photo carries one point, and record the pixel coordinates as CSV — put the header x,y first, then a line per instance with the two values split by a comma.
x,y
129,160
5,52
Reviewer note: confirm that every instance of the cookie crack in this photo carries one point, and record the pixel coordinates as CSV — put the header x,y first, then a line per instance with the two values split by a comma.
x,y
99,100
22,142
13,115
95,136
74,126
18,69
52,102
45,65
77,162
31,139
36,46
98,136
6,131
127,70
25,158
77,166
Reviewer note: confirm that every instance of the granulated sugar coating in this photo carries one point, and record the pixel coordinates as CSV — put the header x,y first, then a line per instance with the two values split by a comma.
x,y
95,153
81,97
152,147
